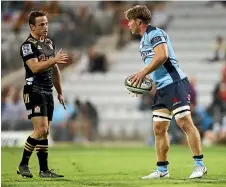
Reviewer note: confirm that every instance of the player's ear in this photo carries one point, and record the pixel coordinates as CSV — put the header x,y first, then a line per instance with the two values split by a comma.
x,y
139,22
32,27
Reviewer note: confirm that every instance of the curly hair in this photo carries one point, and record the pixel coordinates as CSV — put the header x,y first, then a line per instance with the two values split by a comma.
x,y
140,12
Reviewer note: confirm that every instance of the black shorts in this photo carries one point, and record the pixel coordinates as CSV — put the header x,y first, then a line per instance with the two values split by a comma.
x,y
173,96
39,104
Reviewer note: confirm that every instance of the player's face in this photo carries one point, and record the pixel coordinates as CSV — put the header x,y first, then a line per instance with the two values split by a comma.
x,y
41,26
133,26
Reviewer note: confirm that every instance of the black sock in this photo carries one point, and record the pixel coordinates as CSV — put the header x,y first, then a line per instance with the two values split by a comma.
x,y
42,153
28,149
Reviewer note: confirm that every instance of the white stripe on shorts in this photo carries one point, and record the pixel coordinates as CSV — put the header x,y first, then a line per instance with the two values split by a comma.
x,y
181,109
160,119
181,115
160,116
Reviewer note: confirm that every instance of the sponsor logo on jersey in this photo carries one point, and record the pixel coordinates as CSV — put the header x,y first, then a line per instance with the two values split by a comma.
x,y
155,40
29,80
146,53
42,57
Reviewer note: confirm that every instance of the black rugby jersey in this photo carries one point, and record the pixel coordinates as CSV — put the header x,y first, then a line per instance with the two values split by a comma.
x,y
43,50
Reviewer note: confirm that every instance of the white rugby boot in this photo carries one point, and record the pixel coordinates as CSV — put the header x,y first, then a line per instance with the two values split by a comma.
x,y
198,172
157,175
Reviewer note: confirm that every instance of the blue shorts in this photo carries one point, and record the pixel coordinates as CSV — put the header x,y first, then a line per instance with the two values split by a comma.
x,y
173,96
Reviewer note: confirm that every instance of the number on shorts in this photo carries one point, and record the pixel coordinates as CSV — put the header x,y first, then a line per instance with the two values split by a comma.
x,y
26,98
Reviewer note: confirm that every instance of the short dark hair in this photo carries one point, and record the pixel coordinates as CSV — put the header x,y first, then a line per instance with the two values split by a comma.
x,y
34,14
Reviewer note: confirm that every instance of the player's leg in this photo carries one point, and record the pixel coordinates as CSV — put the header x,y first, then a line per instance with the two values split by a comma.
x,y
32,102
42,147
181,111
185,122
40,128
161,120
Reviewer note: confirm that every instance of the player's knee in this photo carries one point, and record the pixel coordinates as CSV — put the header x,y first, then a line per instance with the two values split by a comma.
x,y
42,130
159,128
161,122
183,117
47,133
185,123
181,122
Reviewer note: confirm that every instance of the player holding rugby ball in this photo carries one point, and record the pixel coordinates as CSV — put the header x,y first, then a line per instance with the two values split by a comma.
x,y
173,91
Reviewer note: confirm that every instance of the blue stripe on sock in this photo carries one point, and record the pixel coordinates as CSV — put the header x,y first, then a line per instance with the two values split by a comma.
x,y
162,168
198,162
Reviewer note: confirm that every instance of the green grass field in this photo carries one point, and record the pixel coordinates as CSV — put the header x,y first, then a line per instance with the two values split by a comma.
x,y
114,166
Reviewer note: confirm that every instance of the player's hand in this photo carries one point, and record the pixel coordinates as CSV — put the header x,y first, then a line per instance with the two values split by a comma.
x,y
61,100
61,58
137,78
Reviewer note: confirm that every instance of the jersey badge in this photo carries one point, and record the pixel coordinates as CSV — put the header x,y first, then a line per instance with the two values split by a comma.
x,y
37,109
26,49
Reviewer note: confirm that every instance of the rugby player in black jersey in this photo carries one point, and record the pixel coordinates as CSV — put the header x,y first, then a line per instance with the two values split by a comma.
x,y
42,73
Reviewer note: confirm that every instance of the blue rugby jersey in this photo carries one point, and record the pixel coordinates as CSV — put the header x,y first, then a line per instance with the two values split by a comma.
x,y
170,71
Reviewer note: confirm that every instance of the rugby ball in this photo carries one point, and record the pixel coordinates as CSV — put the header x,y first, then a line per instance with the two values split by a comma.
x,y
145,87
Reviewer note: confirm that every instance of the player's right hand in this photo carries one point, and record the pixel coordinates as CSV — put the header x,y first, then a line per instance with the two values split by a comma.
x,y
61,58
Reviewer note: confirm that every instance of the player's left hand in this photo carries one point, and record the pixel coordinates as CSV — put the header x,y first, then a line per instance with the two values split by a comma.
x,y
137,78
61,100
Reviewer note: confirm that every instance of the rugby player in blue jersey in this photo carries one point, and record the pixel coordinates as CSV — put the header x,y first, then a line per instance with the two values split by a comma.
x,y
173,91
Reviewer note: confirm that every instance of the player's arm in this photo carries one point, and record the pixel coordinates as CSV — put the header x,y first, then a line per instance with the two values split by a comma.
x,y
57,79
29,55
160,57
37,66
57,84
158,42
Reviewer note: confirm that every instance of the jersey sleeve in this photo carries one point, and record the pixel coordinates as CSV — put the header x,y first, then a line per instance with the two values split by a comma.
x,y
156,38
28,51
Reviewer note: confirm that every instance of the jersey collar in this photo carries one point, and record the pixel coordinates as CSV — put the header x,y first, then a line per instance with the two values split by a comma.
x,y
36,39
149,29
